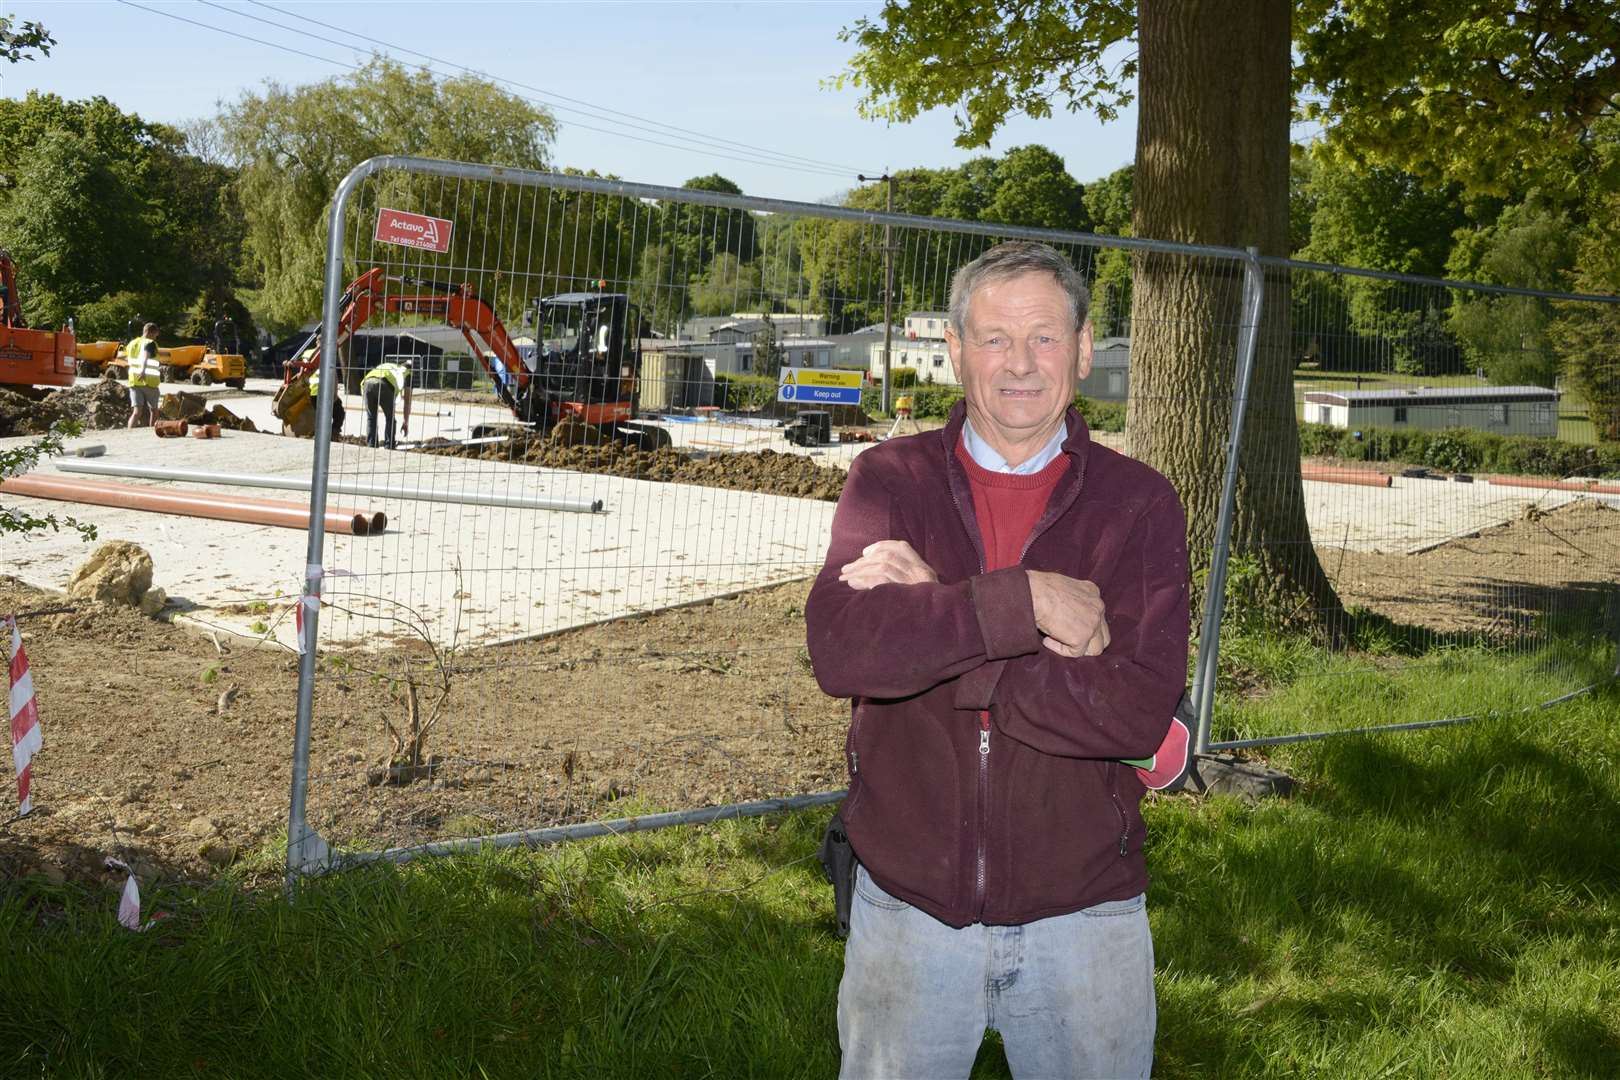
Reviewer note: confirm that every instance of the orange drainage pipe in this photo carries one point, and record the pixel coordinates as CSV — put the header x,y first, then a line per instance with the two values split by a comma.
x,y
137,497
1327,474
1593,487
169,429
375,522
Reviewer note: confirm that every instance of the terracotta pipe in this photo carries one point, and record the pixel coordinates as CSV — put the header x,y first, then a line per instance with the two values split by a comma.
x,y
205,431
1593,487
375,523
137,497
1328,474
169,429
334,486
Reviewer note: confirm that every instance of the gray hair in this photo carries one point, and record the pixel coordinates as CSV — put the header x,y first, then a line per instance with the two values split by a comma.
x,y
1013,259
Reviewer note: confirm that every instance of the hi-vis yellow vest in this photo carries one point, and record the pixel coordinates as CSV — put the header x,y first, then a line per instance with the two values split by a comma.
x,y
143,370
397,374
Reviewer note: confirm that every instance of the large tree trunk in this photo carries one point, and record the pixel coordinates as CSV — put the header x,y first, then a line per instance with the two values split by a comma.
x,y
1212,150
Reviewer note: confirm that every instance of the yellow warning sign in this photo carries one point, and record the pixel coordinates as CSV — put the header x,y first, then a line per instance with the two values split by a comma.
x,y
820,377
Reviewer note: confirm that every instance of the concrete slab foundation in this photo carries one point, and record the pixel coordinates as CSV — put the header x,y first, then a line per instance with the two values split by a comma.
x,y
463,575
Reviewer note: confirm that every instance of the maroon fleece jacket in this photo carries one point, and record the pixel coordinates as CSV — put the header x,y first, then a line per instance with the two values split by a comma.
x,y
1037,818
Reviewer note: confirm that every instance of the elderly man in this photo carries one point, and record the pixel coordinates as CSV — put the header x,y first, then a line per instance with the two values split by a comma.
x,y
1005,601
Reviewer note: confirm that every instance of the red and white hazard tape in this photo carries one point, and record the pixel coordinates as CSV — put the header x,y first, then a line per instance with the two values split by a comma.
x,y
25,734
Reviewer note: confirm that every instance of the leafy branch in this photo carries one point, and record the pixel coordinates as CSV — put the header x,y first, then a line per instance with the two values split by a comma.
x,y
16,460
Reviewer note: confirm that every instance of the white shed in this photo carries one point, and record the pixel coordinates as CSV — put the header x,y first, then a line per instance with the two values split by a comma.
x,y
1501,410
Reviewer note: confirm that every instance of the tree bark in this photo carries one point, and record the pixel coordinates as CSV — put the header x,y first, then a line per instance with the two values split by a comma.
x,y
1212,152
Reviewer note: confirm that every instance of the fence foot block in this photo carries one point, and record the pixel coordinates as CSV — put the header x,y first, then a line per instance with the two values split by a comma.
x,y
1225,774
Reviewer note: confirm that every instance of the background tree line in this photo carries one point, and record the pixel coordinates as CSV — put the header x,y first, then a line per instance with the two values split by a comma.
x,y
112,217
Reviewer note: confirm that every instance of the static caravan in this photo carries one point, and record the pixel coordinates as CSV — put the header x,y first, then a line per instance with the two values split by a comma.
x,y
1110,370
1501,410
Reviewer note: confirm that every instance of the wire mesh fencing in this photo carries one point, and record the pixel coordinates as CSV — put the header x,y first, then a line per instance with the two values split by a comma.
x,y
1460,506
607,424
605,505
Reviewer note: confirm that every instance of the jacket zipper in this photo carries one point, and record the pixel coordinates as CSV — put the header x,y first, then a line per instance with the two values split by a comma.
x,y
984,808
984,761
984,716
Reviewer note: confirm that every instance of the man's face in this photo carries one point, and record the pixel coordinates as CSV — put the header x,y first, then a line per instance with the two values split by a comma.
x,y
1019,360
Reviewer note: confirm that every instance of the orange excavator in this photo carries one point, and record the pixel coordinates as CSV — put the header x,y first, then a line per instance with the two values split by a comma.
x,y
582,379
30,357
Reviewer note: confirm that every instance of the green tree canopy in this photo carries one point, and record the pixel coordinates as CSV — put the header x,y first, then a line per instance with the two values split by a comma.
x,y
1532,246
1494,95
294,145
98,204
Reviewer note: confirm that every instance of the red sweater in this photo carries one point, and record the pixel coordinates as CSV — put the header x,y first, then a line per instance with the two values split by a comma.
x,y
1007,505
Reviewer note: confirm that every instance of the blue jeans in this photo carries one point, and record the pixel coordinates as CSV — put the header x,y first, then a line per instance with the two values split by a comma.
x,y
1072,995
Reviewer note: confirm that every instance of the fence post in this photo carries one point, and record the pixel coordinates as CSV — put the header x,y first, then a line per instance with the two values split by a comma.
x,y
307,850
1203,689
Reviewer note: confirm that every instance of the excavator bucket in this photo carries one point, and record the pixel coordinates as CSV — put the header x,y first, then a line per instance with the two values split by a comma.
x,y
293,406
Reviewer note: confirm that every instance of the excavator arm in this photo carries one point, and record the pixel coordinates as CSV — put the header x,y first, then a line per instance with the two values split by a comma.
x,y
453,305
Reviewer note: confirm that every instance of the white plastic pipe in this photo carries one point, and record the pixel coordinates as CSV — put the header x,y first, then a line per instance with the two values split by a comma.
x,y
340,487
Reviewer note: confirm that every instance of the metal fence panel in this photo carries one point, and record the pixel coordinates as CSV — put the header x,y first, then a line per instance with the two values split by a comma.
x,y
1459,498
553,630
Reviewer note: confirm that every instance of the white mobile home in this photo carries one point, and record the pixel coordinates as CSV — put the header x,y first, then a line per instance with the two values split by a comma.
x,y
1501,410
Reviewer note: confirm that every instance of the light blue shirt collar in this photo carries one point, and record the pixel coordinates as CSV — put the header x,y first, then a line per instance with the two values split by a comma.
x,y
986,457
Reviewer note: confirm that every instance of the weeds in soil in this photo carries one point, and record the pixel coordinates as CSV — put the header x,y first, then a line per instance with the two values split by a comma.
x,y
1434,904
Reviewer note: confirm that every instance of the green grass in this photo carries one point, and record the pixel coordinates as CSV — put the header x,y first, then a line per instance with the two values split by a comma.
x,y
1435,904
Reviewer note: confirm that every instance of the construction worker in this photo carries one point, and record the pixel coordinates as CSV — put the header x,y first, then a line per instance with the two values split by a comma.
x,y
145,373
337,401
381,385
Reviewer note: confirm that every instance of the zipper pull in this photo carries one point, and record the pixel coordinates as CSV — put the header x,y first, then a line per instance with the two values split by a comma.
x,y
1124,838
854,762
984,741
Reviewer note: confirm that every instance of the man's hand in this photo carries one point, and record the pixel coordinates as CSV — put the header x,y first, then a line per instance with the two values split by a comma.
x,y
1069,613
405,426
887,562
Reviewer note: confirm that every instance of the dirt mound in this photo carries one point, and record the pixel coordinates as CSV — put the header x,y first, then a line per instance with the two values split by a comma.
x,y
95,406
767,471
23,415
99,405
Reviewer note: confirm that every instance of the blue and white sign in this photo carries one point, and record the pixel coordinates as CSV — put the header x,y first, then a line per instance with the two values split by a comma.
x,y
819,386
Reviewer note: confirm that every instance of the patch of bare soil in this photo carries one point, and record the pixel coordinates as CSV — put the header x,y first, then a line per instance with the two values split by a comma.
x,y
1499,581
174,753
96,406
99,406
175,756
766,471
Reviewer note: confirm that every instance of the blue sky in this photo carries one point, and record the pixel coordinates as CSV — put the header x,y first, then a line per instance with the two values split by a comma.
x,y
728,73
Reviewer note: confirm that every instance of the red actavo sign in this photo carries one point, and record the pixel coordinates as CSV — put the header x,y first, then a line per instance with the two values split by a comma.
x,y
412,230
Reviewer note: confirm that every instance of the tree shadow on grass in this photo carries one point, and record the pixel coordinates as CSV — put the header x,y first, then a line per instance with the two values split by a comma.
x,y
1411,857
1583,1041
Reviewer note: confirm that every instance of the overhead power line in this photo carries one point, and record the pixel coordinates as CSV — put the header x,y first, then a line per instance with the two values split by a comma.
x,y
750,155
596,112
